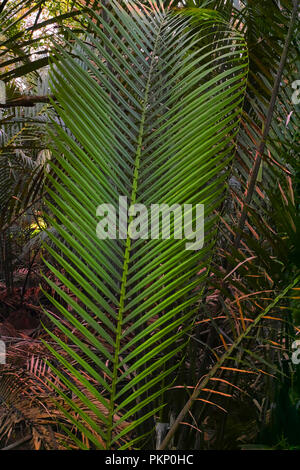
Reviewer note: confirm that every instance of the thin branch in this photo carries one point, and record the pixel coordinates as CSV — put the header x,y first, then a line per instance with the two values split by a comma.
x,y
17,443
219,364
27,101
9,224
261,147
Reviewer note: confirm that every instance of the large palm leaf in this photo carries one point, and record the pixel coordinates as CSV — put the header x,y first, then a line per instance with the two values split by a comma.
x,y
154,113
266,258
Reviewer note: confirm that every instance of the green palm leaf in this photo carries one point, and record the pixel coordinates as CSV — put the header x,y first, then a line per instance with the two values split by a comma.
x,y
155,115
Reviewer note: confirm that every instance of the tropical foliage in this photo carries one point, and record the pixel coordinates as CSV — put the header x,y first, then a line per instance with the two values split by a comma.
x,y
139,343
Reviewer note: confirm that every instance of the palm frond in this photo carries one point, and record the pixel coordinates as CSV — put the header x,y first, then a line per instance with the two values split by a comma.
x,y
155,119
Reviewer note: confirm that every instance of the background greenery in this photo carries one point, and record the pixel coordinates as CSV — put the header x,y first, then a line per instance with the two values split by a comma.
x,y
143,344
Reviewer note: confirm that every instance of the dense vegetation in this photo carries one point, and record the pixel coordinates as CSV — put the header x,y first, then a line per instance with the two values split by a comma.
x,y
141,343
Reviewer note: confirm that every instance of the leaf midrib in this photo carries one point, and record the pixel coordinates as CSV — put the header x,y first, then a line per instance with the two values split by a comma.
x,y
128,242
